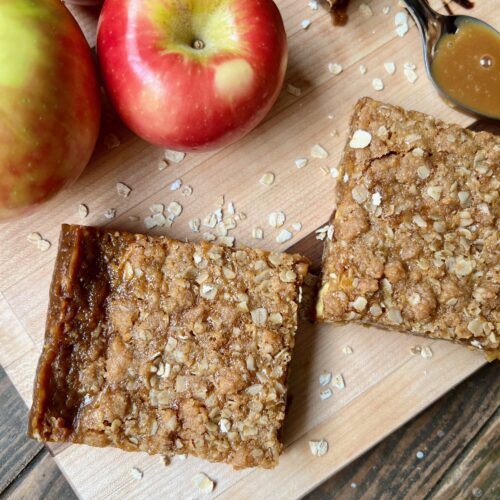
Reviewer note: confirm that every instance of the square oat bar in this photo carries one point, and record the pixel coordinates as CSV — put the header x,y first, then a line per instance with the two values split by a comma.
x,y
415,242
167,347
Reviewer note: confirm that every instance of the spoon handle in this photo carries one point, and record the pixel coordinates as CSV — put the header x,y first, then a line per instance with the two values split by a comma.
x,y
426,18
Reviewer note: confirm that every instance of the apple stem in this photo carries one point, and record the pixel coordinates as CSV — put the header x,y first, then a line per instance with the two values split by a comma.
x,y
198,44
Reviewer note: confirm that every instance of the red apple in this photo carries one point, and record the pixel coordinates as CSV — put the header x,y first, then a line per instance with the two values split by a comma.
x,y
49,102
192,74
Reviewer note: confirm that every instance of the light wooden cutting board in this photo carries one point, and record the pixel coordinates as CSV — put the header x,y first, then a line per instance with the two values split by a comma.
x,y
385,384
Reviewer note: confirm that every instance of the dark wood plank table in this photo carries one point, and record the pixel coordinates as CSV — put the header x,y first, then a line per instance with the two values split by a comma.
x,y
451,450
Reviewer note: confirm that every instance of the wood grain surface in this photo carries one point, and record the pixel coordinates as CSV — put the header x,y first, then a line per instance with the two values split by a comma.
x,y
385,385
458,435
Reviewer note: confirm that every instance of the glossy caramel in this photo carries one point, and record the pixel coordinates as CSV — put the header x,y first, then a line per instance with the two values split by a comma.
x,y
466,66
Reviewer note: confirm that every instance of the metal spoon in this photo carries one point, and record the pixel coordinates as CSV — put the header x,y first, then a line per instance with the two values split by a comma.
x,y
433,26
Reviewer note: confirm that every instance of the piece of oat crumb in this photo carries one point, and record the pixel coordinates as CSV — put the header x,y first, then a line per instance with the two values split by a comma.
x,y
325,378
318,151
426,352
293,90
325,394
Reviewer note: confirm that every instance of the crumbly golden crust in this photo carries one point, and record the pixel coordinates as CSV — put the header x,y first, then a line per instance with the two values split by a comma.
x,y
167,347
415,241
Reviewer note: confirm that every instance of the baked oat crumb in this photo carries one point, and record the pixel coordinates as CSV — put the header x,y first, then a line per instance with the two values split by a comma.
x,y
360,139
283,236
318,447
362,69
347,350
34,237
305,24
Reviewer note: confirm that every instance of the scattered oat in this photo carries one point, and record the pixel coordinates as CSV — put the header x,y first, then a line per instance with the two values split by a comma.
x,y
174,209
173,156
134,218
318,151
110,213
426,352
136,473
163,164
203,483
34,237
415,350
362,69
354,486
182,456
377,84
111,141
322,232
208,236
401,23
297,226
284,235
157,208
123,190
335,68
227,241
257,233
305,24
83,211
176,185
276,219
390,67
360,139
293,90
347,350
324,169
267,179
301,162
187,191
338,381
409,72
318,448
43,245
325,394
334,172
194,225
365,10
313,4
420,455
231,210
386,10
325,378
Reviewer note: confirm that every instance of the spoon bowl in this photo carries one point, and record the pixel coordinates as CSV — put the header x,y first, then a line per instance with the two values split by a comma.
x,y
433,26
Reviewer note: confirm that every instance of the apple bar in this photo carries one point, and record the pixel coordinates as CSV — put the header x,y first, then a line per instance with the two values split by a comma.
x,y
167,347
414,245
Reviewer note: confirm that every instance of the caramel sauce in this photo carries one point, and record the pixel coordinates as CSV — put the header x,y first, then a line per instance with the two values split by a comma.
x,y
466,66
